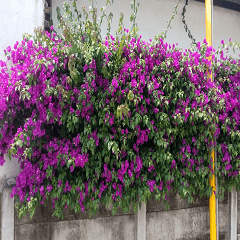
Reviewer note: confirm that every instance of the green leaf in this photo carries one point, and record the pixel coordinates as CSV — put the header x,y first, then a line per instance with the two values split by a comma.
x,y
19,143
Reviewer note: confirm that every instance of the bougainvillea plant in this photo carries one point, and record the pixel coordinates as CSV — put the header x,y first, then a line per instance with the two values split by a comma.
x,y
115,120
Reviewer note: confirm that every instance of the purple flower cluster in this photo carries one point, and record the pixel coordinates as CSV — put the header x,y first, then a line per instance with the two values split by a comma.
x,y
137,116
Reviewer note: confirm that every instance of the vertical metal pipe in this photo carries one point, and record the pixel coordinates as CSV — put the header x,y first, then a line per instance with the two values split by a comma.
x,y
212,200
216,199
215,162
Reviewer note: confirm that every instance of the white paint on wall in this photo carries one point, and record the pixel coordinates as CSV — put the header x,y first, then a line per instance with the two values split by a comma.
x,y
18,17
153,15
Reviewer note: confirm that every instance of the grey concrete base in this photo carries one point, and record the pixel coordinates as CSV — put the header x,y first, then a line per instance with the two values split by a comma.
x,y
76,226
141,222
187,224
232,215
7,228
109,228
183,222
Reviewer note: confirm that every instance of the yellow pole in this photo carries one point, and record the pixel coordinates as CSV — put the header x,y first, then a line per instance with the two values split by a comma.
x,y
212,200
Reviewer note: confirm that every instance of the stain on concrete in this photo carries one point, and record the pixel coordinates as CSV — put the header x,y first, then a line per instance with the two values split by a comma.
x,y
176,202
184,224
44,214
110,228
222,236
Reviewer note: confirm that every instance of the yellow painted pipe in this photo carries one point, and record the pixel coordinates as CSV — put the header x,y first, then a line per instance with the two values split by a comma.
x,y
212,206
212,200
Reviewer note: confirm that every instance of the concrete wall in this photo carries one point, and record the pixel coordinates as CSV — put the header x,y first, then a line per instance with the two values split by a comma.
x,y
7,230
153,15
183,222
78,226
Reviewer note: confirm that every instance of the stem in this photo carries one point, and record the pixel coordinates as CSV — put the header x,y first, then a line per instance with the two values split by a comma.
x,y
134,22
169,21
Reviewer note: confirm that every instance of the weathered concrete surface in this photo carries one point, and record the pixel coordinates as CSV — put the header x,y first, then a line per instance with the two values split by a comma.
x,y
187,224
238,213
141,222
232,215
184,221
7,226
44,215
8,170
76,226
177,203
107,228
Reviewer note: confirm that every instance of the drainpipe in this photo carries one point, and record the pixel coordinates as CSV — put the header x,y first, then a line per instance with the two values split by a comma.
x,y
217,227
212,199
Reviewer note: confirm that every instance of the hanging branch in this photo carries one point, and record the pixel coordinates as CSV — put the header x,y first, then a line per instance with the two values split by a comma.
x,y
134,15
185,25
169,21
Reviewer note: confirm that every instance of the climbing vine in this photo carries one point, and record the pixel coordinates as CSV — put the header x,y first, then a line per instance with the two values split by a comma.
x,y
115,120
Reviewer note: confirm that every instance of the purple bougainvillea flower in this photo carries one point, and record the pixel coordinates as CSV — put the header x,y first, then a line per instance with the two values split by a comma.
x,y
133,83
71,136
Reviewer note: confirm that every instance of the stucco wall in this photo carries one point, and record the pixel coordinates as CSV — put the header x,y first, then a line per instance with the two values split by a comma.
x,y
153,15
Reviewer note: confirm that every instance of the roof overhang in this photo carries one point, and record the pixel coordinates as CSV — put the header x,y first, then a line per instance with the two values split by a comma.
x,y
230,4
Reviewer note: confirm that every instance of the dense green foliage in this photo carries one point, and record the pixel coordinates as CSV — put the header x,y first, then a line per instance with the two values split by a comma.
x,y
116,120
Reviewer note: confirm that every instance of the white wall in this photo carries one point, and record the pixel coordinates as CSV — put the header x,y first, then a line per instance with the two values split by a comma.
x,y
153,15
18,17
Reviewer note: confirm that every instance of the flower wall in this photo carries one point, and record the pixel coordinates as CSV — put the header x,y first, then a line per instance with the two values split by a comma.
x,y
116,120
